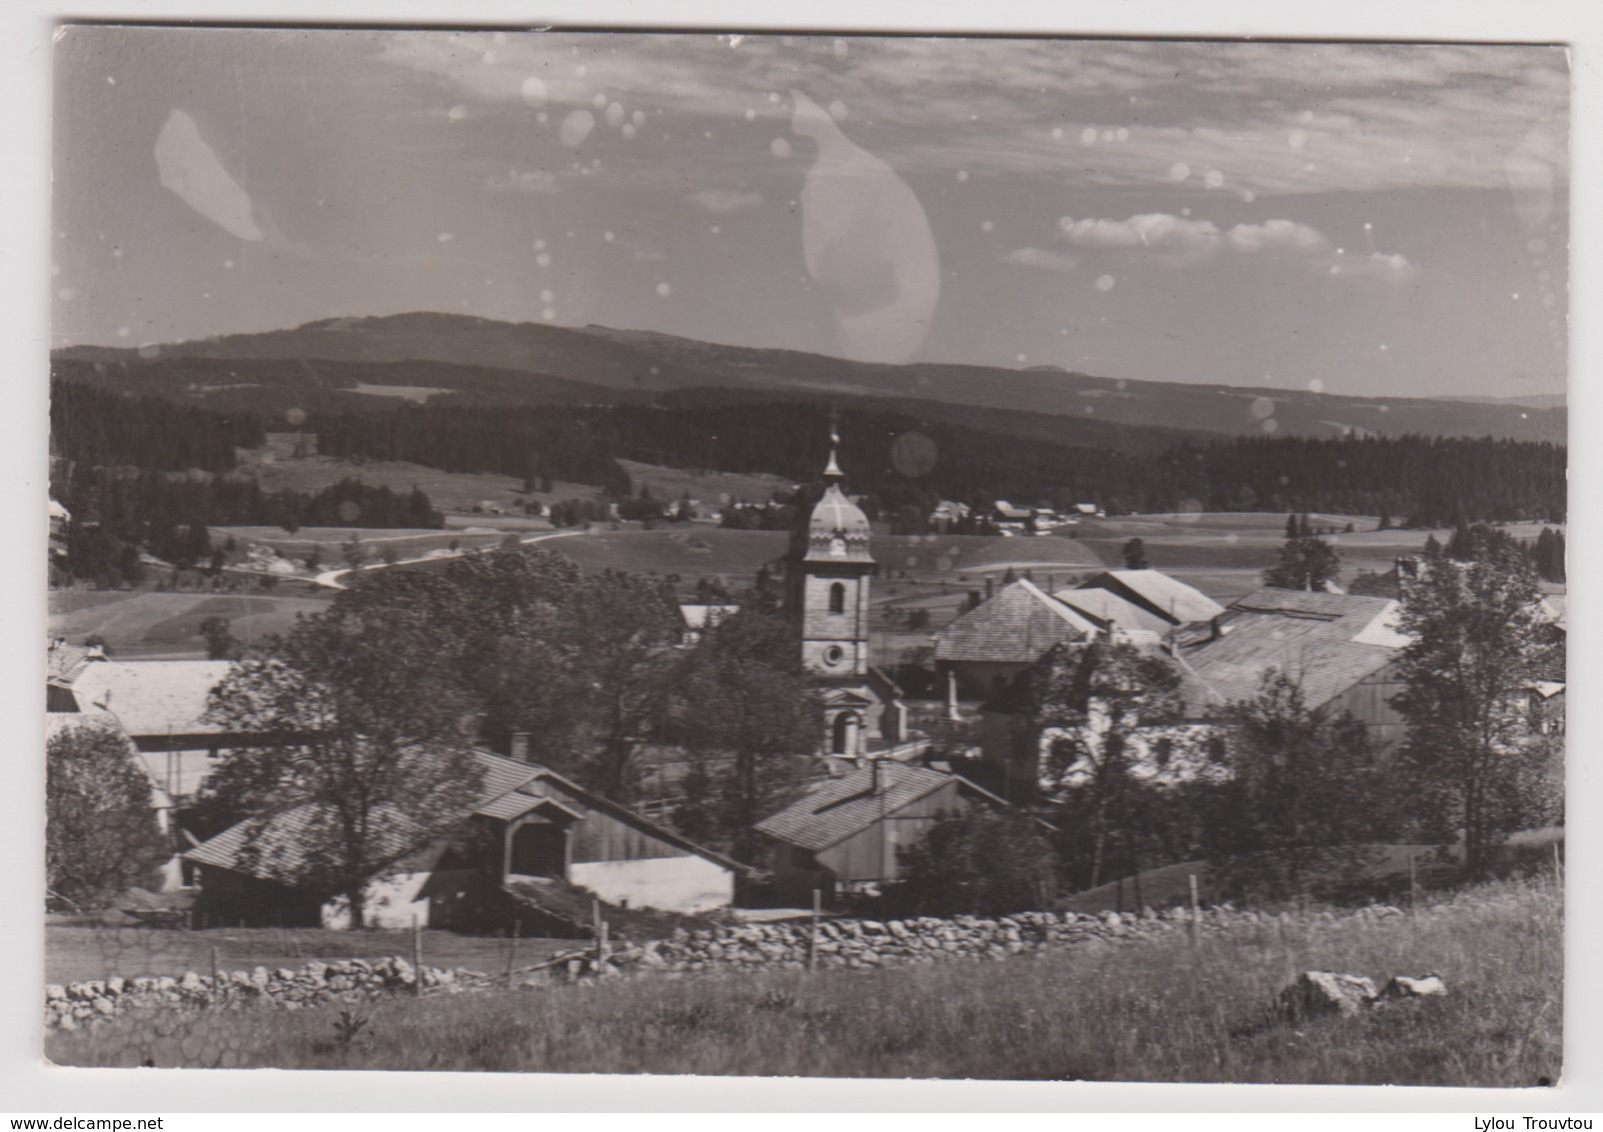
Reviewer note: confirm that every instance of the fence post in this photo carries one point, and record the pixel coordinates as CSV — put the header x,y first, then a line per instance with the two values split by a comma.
x,y
512,954
812,935
417,955
215,982
1413,884
1194,925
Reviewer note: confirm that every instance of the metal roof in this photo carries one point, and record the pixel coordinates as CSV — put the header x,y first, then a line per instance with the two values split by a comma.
x,y
1326,642
1171,598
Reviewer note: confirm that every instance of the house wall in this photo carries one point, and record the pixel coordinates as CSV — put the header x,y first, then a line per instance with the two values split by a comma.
x,y
875,853
227,898
394,901
1368,702
977,679
672,884
601,836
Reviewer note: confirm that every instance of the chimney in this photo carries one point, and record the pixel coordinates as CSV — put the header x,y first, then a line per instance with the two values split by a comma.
x,y
518,747
879,777
96,652
990,586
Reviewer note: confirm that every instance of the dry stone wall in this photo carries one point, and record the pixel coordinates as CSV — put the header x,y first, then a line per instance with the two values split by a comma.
x,y
850,944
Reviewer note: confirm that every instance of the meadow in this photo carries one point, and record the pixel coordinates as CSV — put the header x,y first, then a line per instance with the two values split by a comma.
x,y
1154,1010
144,625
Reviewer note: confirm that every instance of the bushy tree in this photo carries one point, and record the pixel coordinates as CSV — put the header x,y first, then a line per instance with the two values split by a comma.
x,y
1087,708
1135,555
747,713
357,713
101,834
981,863
1306,563
1306,793
1478,639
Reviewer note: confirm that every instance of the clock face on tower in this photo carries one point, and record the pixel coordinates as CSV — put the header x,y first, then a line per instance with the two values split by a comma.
x,y
837,547
833,655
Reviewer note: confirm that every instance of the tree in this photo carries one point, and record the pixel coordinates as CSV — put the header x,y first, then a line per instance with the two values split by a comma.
x,y
101,834
981,863
353,710
747,713
353,553
1305,564
1087,709
1471,753
220,641
1135,555
1305,794
1293,528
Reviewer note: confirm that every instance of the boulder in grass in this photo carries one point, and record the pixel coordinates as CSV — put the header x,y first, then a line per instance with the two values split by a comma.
x,y
1404,987
1317,993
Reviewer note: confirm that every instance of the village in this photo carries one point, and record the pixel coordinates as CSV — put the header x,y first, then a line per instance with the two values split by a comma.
x,y
887,767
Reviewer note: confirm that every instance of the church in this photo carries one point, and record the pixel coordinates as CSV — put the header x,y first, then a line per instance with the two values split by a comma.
x,y
828,572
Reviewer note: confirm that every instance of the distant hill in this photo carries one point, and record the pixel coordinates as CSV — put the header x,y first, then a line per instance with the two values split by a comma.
x,y
482,361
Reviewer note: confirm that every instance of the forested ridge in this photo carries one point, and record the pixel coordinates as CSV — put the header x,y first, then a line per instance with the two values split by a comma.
x,y
1412,480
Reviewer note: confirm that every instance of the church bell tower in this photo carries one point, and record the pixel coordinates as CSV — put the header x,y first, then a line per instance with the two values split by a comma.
x,y
831,581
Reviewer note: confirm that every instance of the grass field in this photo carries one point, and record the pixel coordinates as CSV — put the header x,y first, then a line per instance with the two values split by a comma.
x,y
1156,1010
143,624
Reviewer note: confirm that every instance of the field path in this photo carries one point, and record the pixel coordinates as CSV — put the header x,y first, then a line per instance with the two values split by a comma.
x,y
331,578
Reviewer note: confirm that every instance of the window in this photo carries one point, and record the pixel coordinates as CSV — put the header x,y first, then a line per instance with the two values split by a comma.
x,y
837,598
834,654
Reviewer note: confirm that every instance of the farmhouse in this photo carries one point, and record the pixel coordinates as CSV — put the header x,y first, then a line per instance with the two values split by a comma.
x,y
848,833
1340,648
979,653
160,704
532,832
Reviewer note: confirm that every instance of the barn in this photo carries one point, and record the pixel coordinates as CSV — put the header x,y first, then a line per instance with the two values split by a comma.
x,y
848,833
531,830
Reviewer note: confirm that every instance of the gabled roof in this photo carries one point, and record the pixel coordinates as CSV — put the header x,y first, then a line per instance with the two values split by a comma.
x,y
1170,598
1108,608
1327,642
64,662
841,807
509,790
152,697
1018,625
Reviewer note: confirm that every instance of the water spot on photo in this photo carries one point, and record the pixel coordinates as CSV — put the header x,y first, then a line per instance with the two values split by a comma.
x,y
600,100
780,147
1105,283
1231,537
1179,171
152,349
457,112
986,226
547,296
867,242
1057,133
296,417
628,131
1214,178
543,259
664,290
124,331
615,115
191,169
1270,425
751,115
349,510
943,563
548,314
837,110
608,237
445,237
1088,136
1262,407
840,48
1297,139
576,127
1316,386
1121,134
962,174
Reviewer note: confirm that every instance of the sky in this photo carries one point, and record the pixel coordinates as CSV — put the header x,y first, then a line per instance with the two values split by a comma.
x,y
1352,218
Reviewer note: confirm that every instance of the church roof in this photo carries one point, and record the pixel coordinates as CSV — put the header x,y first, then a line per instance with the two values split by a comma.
x,y
841,807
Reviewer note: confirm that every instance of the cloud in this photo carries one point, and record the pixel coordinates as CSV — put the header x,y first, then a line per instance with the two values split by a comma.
x,y
1043,259
1277,236
722,202
523,181
1176,241
1375,265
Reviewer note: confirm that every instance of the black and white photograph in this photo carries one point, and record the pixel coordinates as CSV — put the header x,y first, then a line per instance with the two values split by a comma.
x,y
1005,558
